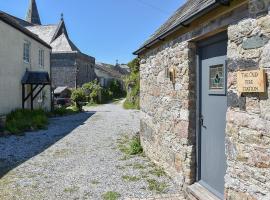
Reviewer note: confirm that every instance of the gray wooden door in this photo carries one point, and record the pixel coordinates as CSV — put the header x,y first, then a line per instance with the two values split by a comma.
x,y
213,117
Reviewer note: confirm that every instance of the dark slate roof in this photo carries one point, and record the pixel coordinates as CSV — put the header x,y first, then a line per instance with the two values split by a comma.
x,y
181,17
123,69
63,44
33,77
15,24
32,14
109,69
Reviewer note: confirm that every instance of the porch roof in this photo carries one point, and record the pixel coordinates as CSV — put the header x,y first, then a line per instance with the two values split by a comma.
x,y
37,78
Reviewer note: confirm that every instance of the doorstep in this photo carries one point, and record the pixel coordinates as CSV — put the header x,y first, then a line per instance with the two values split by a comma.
x,y
198,192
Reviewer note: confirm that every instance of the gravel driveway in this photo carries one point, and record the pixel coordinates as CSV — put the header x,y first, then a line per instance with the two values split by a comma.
x,y
78,158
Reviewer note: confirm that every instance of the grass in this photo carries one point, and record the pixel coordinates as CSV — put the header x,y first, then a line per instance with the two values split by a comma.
x,y
111,195
138,166
158,172
92,104
63,111
131,178
71,189
130,147
95,182
130,106
154,185
20,120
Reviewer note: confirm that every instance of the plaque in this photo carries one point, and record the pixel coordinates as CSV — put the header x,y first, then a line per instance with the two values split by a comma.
x,y
251,81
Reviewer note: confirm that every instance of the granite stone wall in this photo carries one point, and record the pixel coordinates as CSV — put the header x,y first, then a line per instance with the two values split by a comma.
x,y
168,111
248,115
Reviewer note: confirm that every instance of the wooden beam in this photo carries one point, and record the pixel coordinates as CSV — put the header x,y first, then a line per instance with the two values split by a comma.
x,y
30,93
38,92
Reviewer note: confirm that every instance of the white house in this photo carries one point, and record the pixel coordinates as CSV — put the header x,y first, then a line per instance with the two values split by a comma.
x,y
24,68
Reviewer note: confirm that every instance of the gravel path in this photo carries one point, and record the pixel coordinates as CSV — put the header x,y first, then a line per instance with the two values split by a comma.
x,y
78,158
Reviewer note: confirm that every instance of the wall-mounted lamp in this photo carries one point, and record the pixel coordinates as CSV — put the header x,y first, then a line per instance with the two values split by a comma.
x,y
171,74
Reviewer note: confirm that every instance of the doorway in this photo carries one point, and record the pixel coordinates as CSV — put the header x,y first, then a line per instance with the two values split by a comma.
x,y
212,113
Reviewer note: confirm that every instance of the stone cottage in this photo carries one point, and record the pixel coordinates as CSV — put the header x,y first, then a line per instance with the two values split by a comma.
x,y
24,68
106,73
70,67
205,107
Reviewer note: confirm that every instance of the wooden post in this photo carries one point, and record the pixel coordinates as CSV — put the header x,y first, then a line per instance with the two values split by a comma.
x,y
31,90
23,95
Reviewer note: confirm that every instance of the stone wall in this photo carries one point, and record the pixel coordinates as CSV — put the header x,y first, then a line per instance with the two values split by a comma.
x,y
167,131
64,71
248,116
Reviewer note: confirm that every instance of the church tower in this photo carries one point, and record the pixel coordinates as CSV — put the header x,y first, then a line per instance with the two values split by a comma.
x,y
32,14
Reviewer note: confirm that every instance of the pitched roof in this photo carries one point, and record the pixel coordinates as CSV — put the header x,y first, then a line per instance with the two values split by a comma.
x,y
64,44
33,77
32,14
45,32
9,19
107,68
181,18
59,90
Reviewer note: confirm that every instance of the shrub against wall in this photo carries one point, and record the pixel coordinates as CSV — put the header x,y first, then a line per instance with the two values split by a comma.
x,y
78,97
19,121
132,83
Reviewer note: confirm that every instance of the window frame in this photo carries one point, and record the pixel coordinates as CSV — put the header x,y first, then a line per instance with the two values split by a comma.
x,y
27,56
41,58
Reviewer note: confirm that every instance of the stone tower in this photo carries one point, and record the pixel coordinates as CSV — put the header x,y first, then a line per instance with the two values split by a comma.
x,y
32,14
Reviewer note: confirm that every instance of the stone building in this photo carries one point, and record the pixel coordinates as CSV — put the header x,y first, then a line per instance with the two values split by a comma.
x,y
211,134
106,73
24,68
70,67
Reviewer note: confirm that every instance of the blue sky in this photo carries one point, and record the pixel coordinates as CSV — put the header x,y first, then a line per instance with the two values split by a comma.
x,y
105,29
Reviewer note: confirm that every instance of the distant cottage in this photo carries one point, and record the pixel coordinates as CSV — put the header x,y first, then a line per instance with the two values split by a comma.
x,y
70,67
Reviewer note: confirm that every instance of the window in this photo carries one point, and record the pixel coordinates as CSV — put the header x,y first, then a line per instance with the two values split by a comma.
x,y
26,52
216,81
41,58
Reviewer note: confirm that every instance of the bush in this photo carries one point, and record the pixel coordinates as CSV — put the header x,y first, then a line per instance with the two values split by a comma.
x,y
20,121
78,97
116,88
106,95
135,146
92,91
132,83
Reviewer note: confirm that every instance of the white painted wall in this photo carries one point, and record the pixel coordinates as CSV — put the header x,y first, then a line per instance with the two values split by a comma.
x,y
12,68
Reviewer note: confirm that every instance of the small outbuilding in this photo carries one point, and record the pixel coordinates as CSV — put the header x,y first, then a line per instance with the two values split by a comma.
x,y
205,107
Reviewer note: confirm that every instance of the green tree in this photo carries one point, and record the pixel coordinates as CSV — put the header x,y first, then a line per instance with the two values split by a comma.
x,y
132,83
92,91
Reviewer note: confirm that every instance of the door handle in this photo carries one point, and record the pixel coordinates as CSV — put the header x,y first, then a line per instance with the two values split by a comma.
x,y
202,121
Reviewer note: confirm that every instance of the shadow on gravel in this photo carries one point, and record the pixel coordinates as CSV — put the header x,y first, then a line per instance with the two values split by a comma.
x,y
14,150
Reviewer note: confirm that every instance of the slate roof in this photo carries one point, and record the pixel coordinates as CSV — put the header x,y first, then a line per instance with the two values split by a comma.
x,y
182,17
45,32
63,44
107,68
33,77
12,21
32,14
59,90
